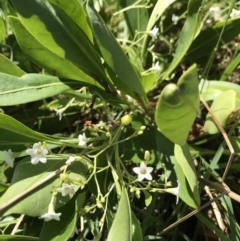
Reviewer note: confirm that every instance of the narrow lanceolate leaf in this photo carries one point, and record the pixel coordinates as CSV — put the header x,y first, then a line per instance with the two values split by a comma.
x,y
178,106
45,58
122,223
113,54
58,33
221,107
29,87
185,161
188,33
14,131
8,67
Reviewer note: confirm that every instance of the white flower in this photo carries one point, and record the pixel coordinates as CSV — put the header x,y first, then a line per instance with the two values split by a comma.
x,y
175,18
59,112
234,13
215,13
153,32
66,189
143,172
9,157
70,160
82,140
174,191
157,67
37,154
51,214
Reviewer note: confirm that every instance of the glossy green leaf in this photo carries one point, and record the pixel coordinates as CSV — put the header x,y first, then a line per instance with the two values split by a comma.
x,y
148,81
13,131
76,12
207,39
122,223
221,107
28,88
178,106
53,30
3,31
17,238
211,89
136,18
36,203
8,67
148,197
190,30
63,229
185,161
136,229
157,12
113,54
45,58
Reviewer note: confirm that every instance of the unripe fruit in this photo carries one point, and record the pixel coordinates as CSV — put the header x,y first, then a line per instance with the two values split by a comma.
x,y
126,120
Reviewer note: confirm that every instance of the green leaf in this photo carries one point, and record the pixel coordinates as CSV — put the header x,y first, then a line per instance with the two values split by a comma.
x,y
157,12
113,54
76,12
190,30
148,197
17,238
122,223
13,131
3,31
28,88
53,29
185,161
149,81
8,67
207,39
221,107
136,18
27,175
211,226
63,229
137,231
45,58
178,106
211,89
230,68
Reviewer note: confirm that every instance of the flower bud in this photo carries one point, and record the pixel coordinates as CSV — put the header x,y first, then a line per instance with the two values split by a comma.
x,y
147,156
64,177
126,120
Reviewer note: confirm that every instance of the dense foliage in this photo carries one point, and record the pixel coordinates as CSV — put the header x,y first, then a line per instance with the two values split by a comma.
x,y
105,127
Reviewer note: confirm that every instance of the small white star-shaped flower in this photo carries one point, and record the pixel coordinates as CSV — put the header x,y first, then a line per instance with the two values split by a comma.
x,y
157,67
82,140
51,215
70,160
153,33
143,172
174,191
66,189
59,112
9,158
37,154
175,18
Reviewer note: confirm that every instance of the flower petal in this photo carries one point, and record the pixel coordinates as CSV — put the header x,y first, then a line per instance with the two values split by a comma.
x,y
137,170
